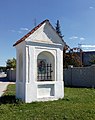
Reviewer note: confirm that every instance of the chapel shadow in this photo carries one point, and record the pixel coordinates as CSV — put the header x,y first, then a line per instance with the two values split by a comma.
x,y
9,99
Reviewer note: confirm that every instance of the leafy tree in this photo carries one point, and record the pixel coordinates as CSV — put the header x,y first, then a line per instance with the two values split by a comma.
x,y
2,69
92,59
70,57
58,29
11,63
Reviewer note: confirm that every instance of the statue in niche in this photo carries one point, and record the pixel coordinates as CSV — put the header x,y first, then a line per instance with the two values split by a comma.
x,y
41,66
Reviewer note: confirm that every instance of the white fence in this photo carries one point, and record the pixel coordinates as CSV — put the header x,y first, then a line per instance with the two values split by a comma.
x,y
80,76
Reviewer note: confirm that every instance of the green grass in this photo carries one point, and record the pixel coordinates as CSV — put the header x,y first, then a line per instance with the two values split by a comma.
x,y
78,104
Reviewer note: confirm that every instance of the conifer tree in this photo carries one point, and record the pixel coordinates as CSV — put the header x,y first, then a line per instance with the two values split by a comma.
x,y
58,29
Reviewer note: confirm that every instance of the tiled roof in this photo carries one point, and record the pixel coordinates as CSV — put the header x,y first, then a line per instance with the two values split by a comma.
x,y
32,31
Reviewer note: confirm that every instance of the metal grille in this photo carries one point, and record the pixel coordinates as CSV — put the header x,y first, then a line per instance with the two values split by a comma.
x,y
45,72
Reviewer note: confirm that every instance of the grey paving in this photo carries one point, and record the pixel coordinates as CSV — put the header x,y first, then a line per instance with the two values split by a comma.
x,y
3,87
3,83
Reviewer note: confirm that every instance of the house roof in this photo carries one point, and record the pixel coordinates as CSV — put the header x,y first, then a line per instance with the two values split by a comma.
x,y
32,31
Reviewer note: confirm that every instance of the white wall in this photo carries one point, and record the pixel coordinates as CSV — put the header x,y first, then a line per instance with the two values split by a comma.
x,y
54,89
20,71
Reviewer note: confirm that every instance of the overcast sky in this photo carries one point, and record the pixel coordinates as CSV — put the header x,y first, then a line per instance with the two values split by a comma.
x,y
77,20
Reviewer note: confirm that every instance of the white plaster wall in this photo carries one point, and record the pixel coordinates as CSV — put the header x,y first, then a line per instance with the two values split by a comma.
x,y
33,93
43,94
59,89
31,87
59,65
20,84
45,34
45,90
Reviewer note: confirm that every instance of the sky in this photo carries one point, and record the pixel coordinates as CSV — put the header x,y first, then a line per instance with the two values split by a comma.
x,y
17,17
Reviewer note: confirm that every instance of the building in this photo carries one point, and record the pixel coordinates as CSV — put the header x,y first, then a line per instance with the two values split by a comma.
x,y
87,56
39,54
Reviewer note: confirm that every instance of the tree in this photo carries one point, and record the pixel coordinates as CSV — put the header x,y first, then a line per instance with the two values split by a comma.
x,y
58,29
11,63
70,57
2,69
92,59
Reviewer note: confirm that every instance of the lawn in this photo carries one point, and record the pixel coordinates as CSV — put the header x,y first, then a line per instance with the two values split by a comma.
x,y
78,104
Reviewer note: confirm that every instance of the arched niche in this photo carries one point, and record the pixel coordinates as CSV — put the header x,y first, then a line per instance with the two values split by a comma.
x,y
45,66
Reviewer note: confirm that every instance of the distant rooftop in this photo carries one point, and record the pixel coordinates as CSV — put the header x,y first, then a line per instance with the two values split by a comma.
x,y
87,48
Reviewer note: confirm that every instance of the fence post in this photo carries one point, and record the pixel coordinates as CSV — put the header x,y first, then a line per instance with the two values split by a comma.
x,y
11,75
70,67
93,76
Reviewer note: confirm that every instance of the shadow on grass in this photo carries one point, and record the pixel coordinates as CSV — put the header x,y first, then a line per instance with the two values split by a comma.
x,y
9,99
